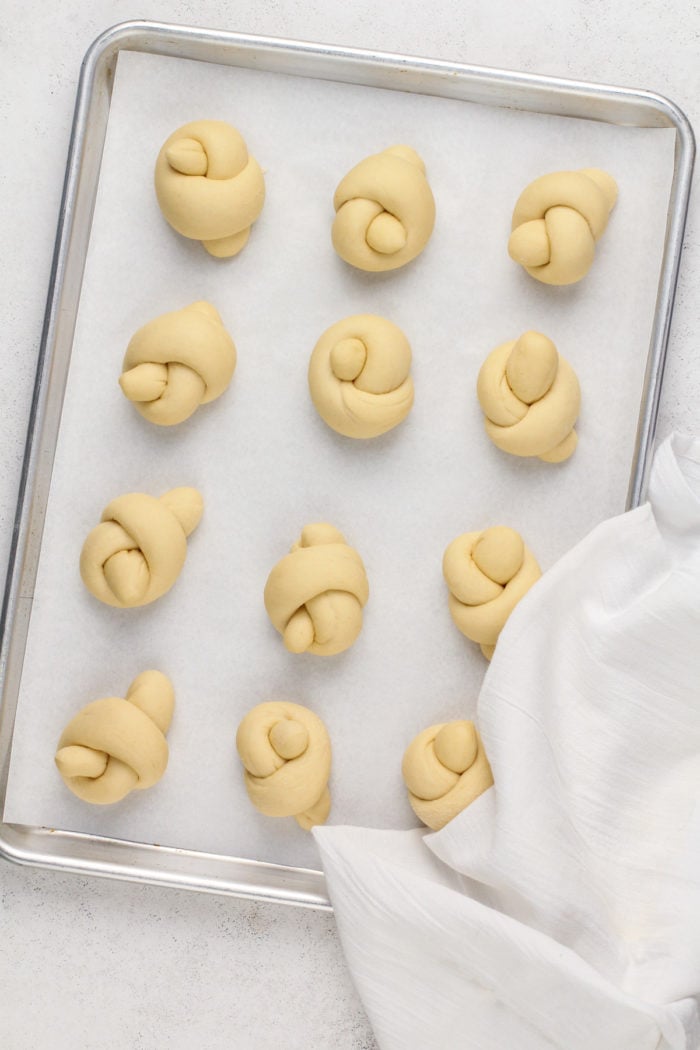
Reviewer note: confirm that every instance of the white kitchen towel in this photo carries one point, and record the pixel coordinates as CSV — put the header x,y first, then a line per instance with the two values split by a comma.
x,y
562,908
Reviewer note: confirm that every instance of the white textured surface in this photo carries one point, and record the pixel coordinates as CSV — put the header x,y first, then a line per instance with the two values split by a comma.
x,y
86,963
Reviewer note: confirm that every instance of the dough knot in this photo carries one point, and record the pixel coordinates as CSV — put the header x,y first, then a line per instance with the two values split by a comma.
x,y
557,220
208,186
487,574
359,376
385,211
530,397
177,362
315,595
137,551
445,768
286,754
114,746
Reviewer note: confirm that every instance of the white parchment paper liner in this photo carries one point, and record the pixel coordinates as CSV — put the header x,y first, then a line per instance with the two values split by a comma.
x,y
266,464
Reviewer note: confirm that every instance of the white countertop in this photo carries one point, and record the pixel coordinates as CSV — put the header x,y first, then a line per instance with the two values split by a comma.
x,y
85,962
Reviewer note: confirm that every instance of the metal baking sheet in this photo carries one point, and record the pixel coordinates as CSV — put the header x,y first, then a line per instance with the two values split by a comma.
x,y
216,872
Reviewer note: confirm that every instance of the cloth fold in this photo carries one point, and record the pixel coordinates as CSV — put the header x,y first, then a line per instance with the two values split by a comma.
x,y
562,908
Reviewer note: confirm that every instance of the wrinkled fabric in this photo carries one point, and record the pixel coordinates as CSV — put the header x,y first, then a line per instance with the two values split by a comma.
x,y
562,908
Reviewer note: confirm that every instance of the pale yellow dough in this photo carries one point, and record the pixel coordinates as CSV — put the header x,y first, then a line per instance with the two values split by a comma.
x,y
208,186
556,222
135,555
530,397
385,211
445,768
359,376
315,595
177,362
286,753
487,574
115,746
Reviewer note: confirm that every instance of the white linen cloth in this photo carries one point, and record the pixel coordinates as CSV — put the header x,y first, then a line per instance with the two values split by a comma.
x,y
562,908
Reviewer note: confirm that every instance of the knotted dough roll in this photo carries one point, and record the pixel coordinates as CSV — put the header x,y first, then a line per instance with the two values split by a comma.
x,y
286,752
531,398
315,595
556,222
135,555
445,768
208,186
177,362
385,211
115,746
487,574
359,376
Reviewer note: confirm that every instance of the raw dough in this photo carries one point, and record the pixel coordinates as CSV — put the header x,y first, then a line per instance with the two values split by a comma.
x,y
531,398
487,573
178,362
445,768
208,186
359,376
135,555
385,211
286,752
315,595
115,746
556,222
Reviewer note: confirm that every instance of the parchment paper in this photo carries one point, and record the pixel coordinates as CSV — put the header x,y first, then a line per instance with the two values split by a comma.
x,y
266,464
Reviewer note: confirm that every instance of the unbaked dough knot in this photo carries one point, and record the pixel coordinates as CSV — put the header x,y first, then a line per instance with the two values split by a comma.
x,y
445,768
208,186
315,595
385,211
286,754
177,362
556,222
137,551
531,398
359,376
114,746
487,574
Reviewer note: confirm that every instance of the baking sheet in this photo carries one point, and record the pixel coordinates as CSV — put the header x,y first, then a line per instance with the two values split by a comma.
x,y
266,464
